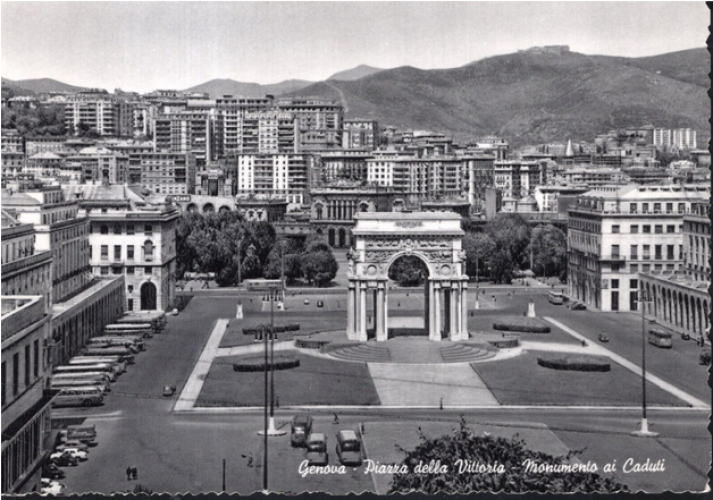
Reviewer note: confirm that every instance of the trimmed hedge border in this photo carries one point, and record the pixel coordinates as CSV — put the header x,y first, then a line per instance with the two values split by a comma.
x,y
292,327
577,362
505,344
310,343
257,364
334,346
521,327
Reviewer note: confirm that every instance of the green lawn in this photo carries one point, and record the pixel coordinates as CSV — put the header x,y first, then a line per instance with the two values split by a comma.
x,y
482,321
521,381
316,381
310,322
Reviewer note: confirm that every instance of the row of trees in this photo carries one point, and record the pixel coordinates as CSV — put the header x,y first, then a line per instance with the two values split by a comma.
x,y
507,244
232,248
40,121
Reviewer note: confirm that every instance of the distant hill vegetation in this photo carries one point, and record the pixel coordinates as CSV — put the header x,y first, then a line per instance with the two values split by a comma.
x,y
40,85
221,87
531,97
355,73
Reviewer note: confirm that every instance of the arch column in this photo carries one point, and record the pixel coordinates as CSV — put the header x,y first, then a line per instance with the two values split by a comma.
x,y
351,310
361,334
455,311
435,334
379,313
464,311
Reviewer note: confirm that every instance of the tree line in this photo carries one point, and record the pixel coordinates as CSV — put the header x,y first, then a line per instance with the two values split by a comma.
x,y
39,121
235,249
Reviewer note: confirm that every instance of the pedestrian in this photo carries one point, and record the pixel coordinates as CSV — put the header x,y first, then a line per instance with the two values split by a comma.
x,y
440,404
128,473
336,419
134,472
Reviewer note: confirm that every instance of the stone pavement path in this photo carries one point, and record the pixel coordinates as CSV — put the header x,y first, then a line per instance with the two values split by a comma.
x,y
425,385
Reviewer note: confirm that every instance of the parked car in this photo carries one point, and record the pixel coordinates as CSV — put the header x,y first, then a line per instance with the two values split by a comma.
x,y
73,443
50,487
301,429
169,390
316,449
578,306
72,452
704,357
51,471
603,338
62,460
320,303
306,302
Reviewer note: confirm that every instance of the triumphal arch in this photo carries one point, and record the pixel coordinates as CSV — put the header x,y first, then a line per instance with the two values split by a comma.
x,y
380,238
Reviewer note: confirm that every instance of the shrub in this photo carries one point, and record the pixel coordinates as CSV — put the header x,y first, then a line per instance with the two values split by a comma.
x,y
577,362
505,343
526,325
257,364
291,327
310,343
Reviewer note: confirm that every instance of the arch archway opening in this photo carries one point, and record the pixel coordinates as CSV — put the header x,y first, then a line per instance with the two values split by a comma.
x,y
192,207
148,297
208,208
223,209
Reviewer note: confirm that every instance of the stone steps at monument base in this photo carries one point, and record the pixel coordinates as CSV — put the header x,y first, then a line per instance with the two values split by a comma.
x,y
465,353
364,353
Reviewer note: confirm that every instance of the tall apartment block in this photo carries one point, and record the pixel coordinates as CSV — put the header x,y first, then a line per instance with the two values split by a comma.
x,y
360,133
184,132
108,117
275,175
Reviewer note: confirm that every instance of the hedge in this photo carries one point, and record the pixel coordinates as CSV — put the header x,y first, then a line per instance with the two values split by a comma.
x,y
333,346
310,343
257,364
292,327
521,325
577,362
505,343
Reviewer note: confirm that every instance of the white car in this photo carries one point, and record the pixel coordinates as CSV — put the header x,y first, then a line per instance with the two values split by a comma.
x,y
73,452
72,443
50,487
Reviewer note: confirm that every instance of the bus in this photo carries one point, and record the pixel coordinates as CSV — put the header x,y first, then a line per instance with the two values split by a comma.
x,y
90,377
133,343
349,448
60,383
79,396
144,329
98,368
555,297
119,366
124,353
659,338
157,319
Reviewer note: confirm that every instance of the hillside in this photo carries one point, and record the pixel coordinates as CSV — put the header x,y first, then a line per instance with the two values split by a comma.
x,y
40,85
225,86
528,97
355,73
690,66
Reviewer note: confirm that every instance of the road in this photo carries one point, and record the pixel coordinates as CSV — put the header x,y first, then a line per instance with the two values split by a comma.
x,y
184,452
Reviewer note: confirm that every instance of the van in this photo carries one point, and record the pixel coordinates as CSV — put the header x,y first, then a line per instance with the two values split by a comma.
x,y
660,338
79,396
119,366
349,448
124,353
98,367
301,429
157,319
87,434
144,329
59,384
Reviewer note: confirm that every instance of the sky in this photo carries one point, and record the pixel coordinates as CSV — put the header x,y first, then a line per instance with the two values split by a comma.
x,y
143,46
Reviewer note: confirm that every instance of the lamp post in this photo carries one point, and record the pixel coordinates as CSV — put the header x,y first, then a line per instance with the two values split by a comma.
x,y
644,430
477,284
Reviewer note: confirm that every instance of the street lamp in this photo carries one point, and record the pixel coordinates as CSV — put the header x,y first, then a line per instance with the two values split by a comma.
x,y
644,430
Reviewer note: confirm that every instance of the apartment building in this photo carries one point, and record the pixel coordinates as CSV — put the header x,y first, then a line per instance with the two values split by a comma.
x,y
277,175
108,117
96,160
619,231
425,178
184,132
518,178
164,173
682,138
360,133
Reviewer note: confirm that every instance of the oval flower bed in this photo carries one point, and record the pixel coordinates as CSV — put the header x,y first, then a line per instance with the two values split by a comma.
x,y
257,364
576,362
525,325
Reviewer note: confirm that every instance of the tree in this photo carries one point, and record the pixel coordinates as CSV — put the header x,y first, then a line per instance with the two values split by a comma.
x,y
408,271
513,477
549,250
478,248
511,236
319,267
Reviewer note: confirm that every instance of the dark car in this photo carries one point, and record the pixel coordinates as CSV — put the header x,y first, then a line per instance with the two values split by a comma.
x,y
65,461
169,390
603,338
320,303
704,357
301,429
51,471
578,306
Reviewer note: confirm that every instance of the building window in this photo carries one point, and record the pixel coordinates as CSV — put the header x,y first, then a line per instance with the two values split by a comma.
x,y
117,229
615,229
130,270
644,207
148,270
615,283
148,229
615,251
130,229
130,252
670,252
657,207
91,253
671,229
105,252
681,207
647,252
117,252
633,284
15,373
615,267
104,271
635,268
657,252
104,229
36,364
658,229
669,207
116,270
27,366
130,306
635,229
634,251
647,229
646,268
